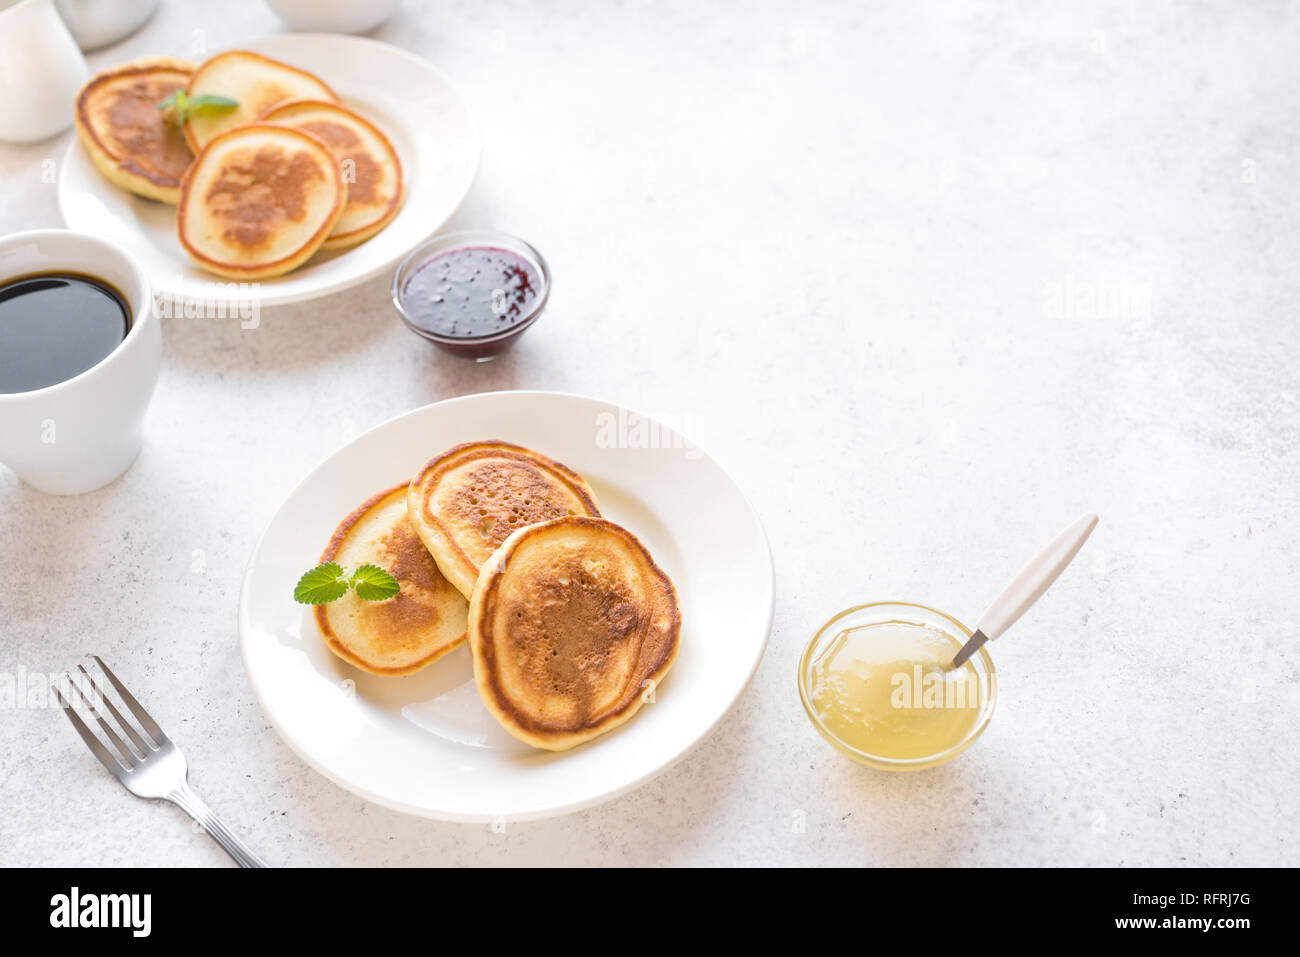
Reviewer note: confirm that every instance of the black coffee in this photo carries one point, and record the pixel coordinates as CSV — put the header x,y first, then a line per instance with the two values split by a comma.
x,y
54,326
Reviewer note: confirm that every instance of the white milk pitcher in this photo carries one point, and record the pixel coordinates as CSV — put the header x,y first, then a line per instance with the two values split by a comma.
x,y
41,69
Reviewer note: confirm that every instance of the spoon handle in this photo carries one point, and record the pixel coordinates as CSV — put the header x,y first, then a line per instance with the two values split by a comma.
x,y
1035,578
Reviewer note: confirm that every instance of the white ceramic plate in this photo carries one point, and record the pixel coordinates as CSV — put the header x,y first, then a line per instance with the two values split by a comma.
x,y
425,744
403,95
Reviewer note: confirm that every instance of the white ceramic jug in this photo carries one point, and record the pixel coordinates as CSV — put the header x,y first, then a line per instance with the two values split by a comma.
x,y
41,69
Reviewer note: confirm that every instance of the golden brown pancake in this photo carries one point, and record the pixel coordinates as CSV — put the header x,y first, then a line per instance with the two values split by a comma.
x,y
468,500
571,625
258,201
369,163
129,139
255,82
402,634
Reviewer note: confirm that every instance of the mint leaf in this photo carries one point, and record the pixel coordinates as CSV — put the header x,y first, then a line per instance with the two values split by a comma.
x,y
374,584
182,106
322,584
178,101
328,582
211,99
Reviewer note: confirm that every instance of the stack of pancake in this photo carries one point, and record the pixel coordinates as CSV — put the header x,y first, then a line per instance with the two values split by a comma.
x,y
570,622
259,187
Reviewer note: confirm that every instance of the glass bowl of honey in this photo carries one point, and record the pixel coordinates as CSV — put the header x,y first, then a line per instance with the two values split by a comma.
x,y
877,682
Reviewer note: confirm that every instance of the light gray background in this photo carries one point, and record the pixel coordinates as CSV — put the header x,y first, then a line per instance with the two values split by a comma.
x,y
929,280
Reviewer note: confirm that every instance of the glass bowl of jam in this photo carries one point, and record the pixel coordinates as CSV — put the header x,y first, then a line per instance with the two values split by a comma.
x,y
877,683
472,293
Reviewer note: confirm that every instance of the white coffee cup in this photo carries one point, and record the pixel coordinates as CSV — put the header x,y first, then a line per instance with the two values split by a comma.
x,y
80,434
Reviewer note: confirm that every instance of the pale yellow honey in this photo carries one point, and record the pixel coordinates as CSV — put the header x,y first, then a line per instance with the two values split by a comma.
x,y
885,689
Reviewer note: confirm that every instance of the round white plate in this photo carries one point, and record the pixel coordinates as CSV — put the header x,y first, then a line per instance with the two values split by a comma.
x,y
425,744
403,95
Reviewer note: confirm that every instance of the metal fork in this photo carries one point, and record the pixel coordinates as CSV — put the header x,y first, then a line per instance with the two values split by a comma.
x,y
150,766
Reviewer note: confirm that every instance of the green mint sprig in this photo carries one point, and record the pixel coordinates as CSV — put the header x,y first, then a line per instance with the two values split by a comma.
x,y
182,106
329,582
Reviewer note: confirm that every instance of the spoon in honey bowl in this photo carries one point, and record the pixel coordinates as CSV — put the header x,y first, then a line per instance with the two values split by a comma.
x,y
1028,586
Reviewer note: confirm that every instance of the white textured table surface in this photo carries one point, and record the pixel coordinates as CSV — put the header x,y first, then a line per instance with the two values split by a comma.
x,y
928,281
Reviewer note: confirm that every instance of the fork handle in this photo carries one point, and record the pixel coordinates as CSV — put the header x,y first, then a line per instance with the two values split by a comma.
x,y
193,805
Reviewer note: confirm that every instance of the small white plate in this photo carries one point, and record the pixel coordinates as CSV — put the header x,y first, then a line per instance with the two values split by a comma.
x,y
425,744
403,95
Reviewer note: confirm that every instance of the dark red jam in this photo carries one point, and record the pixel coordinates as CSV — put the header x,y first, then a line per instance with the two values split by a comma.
x,y
469,299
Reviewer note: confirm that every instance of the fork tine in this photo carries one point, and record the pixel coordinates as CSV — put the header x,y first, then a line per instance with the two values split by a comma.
x,y
125,754
137,739
106,758
136,708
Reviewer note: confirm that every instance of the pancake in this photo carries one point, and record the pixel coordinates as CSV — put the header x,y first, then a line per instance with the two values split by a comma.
x,y
129,139
468,500
571,624
255,82
369,163
414,628
258,201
